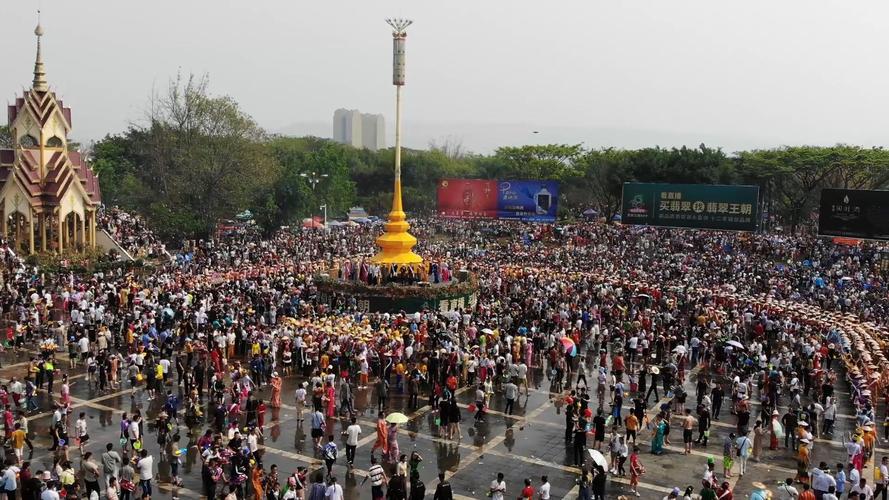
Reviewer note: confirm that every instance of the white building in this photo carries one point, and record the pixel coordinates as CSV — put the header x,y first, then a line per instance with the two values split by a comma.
x,y
359,130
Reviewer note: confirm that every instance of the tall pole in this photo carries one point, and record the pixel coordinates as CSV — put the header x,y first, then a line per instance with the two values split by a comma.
x,y
396,202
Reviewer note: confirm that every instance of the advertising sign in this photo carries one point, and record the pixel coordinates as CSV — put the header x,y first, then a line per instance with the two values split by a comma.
x,y
467,198
854,213
697,206
536,201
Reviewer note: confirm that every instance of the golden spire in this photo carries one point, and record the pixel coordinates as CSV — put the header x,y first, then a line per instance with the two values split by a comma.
x,y
39,71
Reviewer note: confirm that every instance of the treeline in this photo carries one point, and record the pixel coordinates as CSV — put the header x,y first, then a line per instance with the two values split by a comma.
x,y
200,158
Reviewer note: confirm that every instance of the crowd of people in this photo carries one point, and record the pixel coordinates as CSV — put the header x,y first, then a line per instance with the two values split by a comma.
x,y
131,232
763,327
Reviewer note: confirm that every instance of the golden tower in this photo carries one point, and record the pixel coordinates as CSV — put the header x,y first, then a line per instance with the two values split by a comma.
x,y
396,244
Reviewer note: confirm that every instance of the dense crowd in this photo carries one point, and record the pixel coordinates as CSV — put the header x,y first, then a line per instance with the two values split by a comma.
x,y
764,325
131,232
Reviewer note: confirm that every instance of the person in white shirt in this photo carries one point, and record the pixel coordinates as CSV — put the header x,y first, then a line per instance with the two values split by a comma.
x,y
543,490
863,489
300,397
145,465
334,491
50,492
80,431
498,487
352,432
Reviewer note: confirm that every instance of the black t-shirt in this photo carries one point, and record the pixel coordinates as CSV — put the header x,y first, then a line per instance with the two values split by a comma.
x,y
599,423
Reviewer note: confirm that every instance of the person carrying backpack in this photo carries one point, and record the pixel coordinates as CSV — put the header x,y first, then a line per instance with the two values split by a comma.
x,y
330,453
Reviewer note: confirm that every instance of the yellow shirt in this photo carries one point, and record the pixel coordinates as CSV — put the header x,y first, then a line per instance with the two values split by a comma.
x,y
158,372
18,439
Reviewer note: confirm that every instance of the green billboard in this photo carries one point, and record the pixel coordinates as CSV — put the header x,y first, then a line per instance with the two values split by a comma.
x,y
697,206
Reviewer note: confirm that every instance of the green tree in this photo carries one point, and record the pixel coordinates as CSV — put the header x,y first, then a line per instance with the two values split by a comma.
x,y
551,161
200,158
6,139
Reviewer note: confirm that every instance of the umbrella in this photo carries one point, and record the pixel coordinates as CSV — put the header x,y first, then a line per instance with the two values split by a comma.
x,y
598,458
735,343
570,347
397,418
487,331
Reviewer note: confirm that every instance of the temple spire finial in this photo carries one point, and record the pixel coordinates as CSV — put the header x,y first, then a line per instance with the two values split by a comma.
x,y
39,83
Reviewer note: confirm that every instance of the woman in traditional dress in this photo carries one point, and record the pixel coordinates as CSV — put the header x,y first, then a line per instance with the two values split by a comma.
x,y
759,437
659,431
382,437
275,382
330,400
775,428
392,442
256,479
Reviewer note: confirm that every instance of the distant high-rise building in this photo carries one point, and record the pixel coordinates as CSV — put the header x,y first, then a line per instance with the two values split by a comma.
x,y
359,130
373,132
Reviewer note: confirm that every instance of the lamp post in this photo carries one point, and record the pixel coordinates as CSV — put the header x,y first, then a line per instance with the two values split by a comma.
x,y
324,207
314,178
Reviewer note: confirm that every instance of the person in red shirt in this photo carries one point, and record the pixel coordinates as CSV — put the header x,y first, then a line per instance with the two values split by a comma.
x,y
636,470
528,491
725,492
617,366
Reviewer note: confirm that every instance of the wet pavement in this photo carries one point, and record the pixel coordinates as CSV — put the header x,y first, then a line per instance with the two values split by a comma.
x,y
528,444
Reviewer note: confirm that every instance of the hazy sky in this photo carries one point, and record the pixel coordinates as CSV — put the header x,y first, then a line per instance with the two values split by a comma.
x,y
736,74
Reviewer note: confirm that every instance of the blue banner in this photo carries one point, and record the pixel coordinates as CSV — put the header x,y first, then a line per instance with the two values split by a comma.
x,y
536,201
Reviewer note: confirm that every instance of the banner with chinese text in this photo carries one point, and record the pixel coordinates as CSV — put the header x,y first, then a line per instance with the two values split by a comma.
x,y
536,201
696,206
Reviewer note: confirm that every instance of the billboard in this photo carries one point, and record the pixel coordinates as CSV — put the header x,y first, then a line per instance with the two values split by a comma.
x,y
467,198
854,213
696,206
526,200
536,201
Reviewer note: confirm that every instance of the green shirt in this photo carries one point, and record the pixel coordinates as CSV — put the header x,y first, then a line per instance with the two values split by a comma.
x,y
708,494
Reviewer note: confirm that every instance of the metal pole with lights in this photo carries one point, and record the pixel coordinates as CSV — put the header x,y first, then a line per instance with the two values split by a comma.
x,y
396,244
314,178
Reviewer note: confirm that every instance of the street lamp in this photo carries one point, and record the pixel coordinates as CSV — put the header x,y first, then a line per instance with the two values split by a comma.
x,y
313,178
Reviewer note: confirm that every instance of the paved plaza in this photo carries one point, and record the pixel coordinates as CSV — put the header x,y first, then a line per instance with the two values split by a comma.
x,y
528,444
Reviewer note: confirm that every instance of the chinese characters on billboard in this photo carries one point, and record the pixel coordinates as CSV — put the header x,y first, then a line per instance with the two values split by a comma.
x,y
535,201
487,199
855,213
700,206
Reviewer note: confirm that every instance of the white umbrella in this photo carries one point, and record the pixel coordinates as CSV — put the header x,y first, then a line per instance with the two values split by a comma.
x,y
487,331
598,458
735,343
397,418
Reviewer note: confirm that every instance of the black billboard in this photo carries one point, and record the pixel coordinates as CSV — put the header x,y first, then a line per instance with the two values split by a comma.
x,y
854,213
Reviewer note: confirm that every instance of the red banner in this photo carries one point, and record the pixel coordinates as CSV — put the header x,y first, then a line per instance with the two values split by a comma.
x,y
467,198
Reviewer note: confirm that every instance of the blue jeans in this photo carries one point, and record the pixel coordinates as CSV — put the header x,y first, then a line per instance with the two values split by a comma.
x,y
146,486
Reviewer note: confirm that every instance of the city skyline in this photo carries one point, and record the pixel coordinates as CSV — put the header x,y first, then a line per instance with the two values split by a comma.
x,y
622,75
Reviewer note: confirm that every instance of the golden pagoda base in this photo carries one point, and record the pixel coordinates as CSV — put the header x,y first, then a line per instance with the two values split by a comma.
x,y
396,297
396,244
